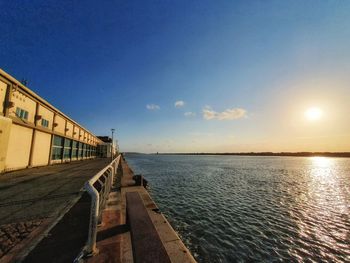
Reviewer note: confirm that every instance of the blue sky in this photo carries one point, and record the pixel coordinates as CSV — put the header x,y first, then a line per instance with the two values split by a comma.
x,y
246,70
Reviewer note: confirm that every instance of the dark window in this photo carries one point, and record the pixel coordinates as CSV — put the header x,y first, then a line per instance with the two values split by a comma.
x,y
21,113
57,147
67,142
57,140
67,148
80,149
44,123
74,149
74,144
56,153
88,151
84,150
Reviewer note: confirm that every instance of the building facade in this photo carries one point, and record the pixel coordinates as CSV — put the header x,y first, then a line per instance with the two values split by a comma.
x,y
106,148
35,133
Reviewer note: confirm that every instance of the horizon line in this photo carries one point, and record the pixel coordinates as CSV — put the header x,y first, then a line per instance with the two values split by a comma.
x,y
308,154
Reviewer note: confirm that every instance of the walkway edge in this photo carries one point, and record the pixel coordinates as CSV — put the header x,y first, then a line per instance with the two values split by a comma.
x,y
176,249
20,251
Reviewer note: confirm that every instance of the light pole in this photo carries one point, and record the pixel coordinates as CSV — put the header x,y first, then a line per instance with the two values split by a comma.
x,y
116,146
112,144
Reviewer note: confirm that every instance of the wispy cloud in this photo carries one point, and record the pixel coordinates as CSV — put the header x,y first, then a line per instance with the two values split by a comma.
x,y
153,107
179,104
190,114
228,114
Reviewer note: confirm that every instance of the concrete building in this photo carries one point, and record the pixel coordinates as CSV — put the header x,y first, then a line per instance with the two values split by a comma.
x,y
35,133
106,148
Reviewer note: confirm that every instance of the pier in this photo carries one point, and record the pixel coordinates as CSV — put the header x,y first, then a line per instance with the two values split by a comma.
x,y
60,208
33,199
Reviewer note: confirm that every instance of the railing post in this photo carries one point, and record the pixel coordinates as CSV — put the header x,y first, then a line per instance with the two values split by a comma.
x,y
112,175
98,201
108,179
94,214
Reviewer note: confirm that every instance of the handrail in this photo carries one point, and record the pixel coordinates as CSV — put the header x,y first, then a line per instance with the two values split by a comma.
x,y
104,180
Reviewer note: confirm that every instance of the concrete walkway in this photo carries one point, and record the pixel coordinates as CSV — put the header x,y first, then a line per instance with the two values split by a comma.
x,y
114,238
38,192
64,241
32,199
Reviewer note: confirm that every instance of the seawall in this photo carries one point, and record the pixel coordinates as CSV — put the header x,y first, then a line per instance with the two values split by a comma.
x,y
114,236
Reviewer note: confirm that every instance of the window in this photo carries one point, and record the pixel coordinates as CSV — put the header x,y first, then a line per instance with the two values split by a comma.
x,y
21,113
44,123
84,150
57,147
88,151
80,150
74,149
95,151
67,148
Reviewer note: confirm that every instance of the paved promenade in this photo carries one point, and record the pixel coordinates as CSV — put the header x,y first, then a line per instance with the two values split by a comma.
x,y
59,191
114,236
38,192
32,197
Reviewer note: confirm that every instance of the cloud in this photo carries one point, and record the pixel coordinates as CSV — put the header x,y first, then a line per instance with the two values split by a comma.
x,y
190,114
228,114
179,104
152,107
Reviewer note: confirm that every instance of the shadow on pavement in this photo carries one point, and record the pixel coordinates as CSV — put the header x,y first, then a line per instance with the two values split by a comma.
x,y
65,241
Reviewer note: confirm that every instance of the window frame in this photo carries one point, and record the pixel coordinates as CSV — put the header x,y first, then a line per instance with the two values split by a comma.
x,y
57,146
45,123
22,113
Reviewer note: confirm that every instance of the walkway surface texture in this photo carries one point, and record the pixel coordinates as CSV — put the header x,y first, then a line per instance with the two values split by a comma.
x,y
45,218
115,241
37,196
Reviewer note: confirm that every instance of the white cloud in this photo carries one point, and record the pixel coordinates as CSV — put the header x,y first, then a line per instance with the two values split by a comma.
x,y
179,104
228,114
190,114
152,107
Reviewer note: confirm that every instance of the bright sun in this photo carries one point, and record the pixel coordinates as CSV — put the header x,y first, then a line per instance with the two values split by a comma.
x,y
313,114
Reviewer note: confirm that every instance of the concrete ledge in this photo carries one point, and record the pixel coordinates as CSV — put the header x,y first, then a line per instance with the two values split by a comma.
x,y
110,233
176,250
146,244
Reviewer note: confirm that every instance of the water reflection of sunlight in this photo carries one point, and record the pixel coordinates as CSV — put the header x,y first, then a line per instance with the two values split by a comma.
x,y
322,167
319,161
325,201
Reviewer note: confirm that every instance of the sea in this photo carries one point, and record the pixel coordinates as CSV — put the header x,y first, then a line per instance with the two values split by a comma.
x,y
253,209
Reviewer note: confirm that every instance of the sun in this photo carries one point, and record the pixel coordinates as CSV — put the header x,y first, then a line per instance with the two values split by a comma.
x,y
313,114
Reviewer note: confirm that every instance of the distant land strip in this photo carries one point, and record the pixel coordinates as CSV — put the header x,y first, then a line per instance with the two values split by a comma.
x,y
297,154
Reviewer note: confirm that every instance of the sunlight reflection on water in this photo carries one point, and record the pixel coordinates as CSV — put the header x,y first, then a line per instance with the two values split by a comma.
x,y
318,161
327,203
232,208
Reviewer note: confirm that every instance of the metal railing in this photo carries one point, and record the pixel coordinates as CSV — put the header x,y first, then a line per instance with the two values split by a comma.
x,y
99,187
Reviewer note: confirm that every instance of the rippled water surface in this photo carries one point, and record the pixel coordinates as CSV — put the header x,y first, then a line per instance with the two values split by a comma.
x,y
240,208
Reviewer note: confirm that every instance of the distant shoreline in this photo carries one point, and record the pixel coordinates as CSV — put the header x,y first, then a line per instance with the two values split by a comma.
x,y
292,154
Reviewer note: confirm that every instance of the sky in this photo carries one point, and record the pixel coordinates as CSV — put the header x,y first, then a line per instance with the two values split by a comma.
x,y
189,76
